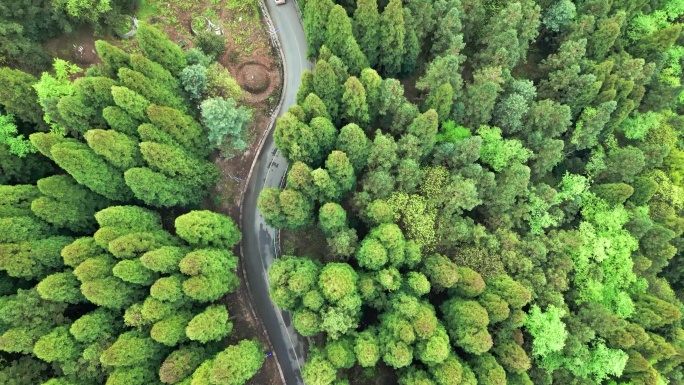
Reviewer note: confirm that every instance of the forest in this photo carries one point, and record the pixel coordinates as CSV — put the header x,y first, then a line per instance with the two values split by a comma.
x,y
500,186
111,270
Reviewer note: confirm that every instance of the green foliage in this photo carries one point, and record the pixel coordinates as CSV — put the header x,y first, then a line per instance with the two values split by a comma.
x,y
154,90
133,271
237,363
180,364
290,279
354,106
227,124
285,208
130,102
392,35
316,14
513,167
498,152
58,345
120,120
365,28
211,44
66,204
91,326
164,259
220,83
170,331
443,273
8,136
157,189
547,329
559,15
207,229
340,40
30,258
158,48
210,325
18,96
130,255
130,348
181,128
60,287
337,281
119,149
113,57
109,292
318,370
467,325
194,80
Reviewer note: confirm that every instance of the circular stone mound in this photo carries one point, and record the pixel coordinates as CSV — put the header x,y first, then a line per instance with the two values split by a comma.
x,y
253,78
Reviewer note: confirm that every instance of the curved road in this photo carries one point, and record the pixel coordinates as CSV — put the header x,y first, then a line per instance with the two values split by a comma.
x,y
269,171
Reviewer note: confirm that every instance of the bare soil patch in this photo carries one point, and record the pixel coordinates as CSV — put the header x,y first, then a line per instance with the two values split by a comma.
x,y
309,242
254,78
77,47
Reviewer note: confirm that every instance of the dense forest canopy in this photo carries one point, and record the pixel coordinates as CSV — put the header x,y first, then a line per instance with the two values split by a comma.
x,y
500,186
25,24
110,272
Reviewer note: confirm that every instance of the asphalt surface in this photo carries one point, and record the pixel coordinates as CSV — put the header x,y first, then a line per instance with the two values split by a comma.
x,y
258,238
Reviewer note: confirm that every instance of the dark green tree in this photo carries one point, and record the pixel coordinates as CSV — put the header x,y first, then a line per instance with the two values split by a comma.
x,y
316,13
114,58
89,169
157,47
365,27
18,96
392,36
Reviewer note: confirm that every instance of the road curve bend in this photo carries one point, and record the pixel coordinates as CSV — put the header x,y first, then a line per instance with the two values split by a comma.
x,y
269,170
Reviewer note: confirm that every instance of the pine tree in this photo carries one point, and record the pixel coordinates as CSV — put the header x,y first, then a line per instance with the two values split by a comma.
x,y
154,71
227,124
159,190
355,144
119,149
354,108
314,107
158,48
365,28
131,103
120,120
341,42
327,85
90,170
18,96
182,128
177,163
316,14
392,35
237,363
152,90
113,57
66,204
480,96
441,100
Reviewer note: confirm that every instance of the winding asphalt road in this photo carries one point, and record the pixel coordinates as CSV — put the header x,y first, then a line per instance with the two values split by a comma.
x,y
269,171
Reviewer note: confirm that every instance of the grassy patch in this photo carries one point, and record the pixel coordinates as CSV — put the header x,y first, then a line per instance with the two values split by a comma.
x,y
148,9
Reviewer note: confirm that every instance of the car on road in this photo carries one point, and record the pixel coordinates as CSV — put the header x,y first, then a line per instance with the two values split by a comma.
x,y
280,2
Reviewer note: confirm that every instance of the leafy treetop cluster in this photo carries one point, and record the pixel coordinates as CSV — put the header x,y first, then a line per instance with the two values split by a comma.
x,y
95,288
510,212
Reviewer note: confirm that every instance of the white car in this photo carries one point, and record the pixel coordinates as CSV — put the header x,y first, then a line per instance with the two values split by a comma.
x,y
280,2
